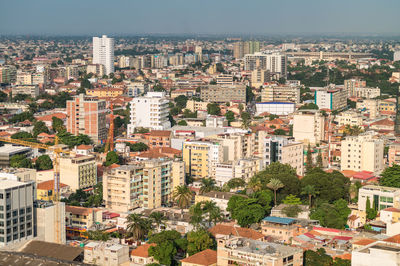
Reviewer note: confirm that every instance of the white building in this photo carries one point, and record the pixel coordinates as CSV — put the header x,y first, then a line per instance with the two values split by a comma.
x,y
332,99
396,56
308,126
349,118
149,111
276,108
377,253
367,92
103,52
380,197
362,153
275,62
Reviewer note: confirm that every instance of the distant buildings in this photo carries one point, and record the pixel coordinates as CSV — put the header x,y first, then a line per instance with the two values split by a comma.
x,y
350,85
149,111
362,153
103,53
223,93
280,93
332,99
87,115
8,74
259,77
396,56
31,90
275,62
243,48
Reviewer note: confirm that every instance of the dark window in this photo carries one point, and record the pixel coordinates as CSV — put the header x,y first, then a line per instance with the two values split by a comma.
x,y
28,210
15,221
21,211
22,234
22,227
1,196
15,213
22,219
15,236
29,232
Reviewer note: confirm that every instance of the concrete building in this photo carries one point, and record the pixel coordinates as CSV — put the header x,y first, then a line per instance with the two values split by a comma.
x,y
275,62
221,199
80,219
31,90
332,99
396,56
148,184
194,106
223,93
78,172
97,69
244,251
216,121
140,255
259,77
8,74
350,85
19,174
238,50
280,93
87,115
308,126
224,79
394,154
201,157
283,150
106,254
244,168
8,150
103,53
134,89
17,222
45,212
236,145
275,108
380,197
362,153
149,111
367,93
376,253
349,117
370,106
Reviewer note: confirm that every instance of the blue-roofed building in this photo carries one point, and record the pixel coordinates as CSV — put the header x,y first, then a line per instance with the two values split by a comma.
x,y
280,228
279,220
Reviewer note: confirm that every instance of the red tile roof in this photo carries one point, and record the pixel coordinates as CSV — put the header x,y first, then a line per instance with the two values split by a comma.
x,y
364,241
160,133
391,209
205,257
221,229
142,251
49,185
50,116
393,239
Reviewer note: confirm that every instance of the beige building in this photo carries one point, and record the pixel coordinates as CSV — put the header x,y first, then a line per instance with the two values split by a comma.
x,y
236,145
148,184
46,221
280,93
259,77
362,153
350,85
371,106
24,78
244,169
31,90
223,93
106,254
97,69
308,126
368,93
349,117
234,250
194,106
78,172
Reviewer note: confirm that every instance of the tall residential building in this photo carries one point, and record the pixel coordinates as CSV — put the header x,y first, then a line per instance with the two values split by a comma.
x,y
308,126
87,115
394,154
275,62
238,50
201,158
259,77
362,153
332,99
349,117
284,150
103,52
350,85
251,47
17,221
78,172
280,93
8,74
236,145
148,184
149,111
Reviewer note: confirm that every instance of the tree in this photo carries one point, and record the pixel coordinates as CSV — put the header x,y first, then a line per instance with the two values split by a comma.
x,y
181,101
246,119
137,226
309,162
204,214
183,196
39,127
292,200
20,161
138,146
275,184
330,186
309,106
111,158
318,257
235,183
43,162
279,131
371,211
319,159
207,185
22,117
57,124
291,210
245,211
182,123
332,215
390,177
213,109
230,116
23,135
310,191
198,241
168,243
157,218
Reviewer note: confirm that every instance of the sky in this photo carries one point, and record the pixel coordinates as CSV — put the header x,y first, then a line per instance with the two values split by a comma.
x,y
118,17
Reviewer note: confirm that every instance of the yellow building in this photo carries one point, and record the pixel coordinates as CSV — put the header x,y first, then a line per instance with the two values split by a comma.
x,y
80,219
78,172
388,105
201,158
194,106
105,92
45,190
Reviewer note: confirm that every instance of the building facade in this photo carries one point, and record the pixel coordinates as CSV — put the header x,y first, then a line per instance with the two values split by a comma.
x,y
103,53
78,172
280,93
223,93
308,126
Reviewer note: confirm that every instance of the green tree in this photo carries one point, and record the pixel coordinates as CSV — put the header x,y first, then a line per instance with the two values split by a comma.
x,y
111,158
230,116
57,124
332,215
309,161
207,185
319,159
246,211
198,241
23,136
22,117
292,210
390,177
280,132
182,123
157,218
138,146
181,101
371,212
137,226
168,243
310,191
292,200
235,183
204,214
275,184
43,162
318,257
246,119
309,106
39,127
213,109
20,161
183,196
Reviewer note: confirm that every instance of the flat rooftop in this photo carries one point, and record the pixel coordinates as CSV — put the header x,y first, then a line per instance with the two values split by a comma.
x,y
6,183
10,149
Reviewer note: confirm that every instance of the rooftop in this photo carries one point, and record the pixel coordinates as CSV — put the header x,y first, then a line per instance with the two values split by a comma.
x,y
221,229
52,250
279,220
142,251
6,183
205,257
10,149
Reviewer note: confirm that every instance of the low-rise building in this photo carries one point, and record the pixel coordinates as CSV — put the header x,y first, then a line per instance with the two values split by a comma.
x,y
280,93
45,190
31,90
376,253
80,219
221,199
206,257
106,254
275,108
140,255
380,197
223,93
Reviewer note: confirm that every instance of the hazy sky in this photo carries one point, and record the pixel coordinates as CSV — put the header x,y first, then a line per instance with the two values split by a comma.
x,y
66,17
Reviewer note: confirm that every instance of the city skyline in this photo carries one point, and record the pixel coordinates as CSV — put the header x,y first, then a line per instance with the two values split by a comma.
x,y
195,17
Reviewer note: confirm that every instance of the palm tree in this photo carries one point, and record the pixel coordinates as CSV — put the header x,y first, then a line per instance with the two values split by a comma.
x,y
207,185
275,184
157,218
137,226
310,191
183,196
255,183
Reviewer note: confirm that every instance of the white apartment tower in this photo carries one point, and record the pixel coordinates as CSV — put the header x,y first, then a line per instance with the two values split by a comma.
x,y
149,111
103,52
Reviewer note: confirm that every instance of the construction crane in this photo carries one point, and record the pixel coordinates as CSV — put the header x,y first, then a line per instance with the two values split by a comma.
x,y
57,152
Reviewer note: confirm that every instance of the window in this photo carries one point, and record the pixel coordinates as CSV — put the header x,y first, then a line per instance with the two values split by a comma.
x,y
1,196
21,211
15,213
